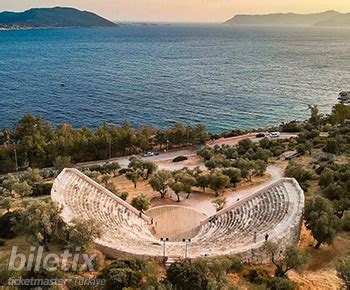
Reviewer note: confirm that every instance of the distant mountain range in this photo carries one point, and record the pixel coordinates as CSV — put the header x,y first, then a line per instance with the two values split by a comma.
x,y
52,17
328,18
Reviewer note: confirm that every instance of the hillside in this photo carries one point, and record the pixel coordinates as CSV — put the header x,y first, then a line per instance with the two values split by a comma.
x,y
328,18
52,17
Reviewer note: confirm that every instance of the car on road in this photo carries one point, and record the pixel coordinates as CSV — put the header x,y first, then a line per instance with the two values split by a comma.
x,y
260,135
275,134
148,154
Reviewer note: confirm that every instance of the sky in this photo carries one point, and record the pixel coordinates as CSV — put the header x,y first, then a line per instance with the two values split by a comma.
x,y
181,10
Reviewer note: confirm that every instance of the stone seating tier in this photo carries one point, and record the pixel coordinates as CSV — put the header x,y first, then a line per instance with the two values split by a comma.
x,y
275,210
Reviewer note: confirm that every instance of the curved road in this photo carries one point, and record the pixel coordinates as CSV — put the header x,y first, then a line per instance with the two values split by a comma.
x,y
165,156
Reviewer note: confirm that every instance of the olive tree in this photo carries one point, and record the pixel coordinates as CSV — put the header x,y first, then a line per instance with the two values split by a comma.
x,y
218,181
293,258
320,220
160,182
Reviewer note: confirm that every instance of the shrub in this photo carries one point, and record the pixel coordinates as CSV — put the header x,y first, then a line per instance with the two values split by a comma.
x,y
126,273
346,223
7,223
235,264
219,203
326,177
6,274
343,270
278,283
140,202
42,189
124,195
258,275
124,170
180,158
2,242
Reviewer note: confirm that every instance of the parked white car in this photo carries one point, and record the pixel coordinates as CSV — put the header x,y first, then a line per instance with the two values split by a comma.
x,y
275,134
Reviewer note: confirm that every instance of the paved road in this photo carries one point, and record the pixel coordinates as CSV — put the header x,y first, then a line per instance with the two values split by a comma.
x,y
124,161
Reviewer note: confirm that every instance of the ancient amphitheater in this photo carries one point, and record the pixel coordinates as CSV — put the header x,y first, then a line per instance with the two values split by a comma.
x,y
275,210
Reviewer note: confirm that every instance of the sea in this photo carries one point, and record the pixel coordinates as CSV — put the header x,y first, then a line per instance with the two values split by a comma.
x,y
225,77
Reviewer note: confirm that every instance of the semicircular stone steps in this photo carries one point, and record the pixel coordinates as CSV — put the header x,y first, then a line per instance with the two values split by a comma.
x,y
275,210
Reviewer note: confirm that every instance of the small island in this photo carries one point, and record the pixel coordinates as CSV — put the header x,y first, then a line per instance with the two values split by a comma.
x,y
58,17
328,18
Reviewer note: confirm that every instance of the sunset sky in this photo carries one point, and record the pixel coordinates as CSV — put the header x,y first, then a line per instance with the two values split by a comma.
x,y
181,10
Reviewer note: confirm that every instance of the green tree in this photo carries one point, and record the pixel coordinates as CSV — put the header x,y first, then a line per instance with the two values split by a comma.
x,y
293,259
333,145
315,117
278,283
343,269
177,187
146,167
260,167
122,274
326,177
247,168
341,206
140,202
320,220
219,203
123,195
22,188
43,222
82,233
218,181
112,167
186,180
202,181
6,203
134,176
150,168
217,161
32,176
160,182
105,179
62,162
234,174
296,171
340,113
203,273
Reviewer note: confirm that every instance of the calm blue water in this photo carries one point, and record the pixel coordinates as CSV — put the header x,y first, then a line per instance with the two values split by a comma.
x,y
225,77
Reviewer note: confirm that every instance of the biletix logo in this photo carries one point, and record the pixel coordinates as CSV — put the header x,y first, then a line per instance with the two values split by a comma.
x,y
36,260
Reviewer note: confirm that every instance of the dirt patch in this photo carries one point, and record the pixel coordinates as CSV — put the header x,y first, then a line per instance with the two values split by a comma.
x,y
122,184
322,279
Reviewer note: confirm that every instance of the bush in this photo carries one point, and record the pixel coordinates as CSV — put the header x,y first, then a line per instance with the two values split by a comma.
x,y
140,202
326,177
5,275
346,223
278,283
124,195
124,170
258,275
42,189
301,174
7,223
235,264
343,271
124,273
180,158
2,242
